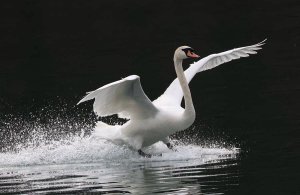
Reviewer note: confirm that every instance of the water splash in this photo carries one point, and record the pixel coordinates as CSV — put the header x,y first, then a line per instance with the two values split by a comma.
x,y
59,154
52,137
79,149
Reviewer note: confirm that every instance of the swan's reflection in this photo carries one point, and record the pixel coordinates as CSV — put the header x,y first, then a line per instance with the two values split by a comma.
x,y
179,177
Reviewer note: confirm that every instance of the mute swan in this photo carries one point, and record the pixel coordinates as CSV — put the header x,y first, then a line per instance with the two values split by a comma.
x,y
151,122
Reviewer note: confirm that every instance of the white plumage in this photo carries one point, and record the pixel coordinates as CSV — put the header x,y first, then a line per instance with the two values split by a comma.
x,y
174,93
155,121
125,97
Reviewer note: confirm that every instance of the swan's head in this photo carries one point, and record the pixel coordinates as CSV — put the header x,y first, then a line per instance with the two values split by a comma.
x,y
184,52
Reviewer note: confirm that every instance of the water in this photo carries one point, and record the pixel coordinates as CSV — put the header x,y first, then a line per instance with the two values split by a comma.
x,y
245,139
84,164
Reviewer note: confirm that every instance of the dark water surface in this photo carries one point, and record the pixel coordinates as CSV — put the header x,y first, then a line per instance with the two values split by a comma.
x,y
245,139
96,166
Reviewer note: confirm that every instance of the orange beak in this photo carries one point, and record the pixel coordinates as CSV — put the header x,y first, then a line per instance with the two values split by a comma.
x,y
192,55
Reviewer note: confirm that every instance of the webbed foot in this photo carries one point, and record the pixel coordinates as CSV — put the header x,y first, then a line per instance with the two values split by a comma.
x,y
143,154
171,147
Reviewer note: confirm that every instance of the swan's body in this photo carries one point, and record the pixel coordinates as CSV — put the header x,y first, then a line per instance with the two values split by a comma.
x,y
151,122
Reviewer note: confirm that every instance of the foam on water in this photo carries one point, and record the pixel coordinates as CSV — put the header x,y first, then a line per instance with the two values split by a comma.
x,y
48,139
50,157
87,150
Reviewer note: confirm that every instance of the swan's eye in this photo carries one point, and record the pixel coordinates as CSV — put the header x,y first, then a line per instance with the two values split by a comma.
x,y
186,50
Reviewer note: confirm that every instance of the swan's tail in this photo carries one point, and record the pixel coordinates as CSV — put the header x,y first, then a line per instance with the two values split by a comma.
x,y
108,132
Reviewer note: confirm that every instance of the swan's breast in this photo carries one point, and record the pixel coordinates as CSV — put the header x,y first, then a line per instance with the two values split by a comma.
x,y
154,129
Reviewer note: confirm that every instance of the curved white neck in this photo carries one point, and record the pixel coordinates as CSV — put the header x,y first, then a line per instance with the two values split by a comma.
x,y
188,102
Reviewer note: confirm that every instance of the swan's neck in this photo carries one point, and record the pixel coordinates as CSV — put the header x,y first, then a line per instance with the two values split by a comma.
x,y
188,102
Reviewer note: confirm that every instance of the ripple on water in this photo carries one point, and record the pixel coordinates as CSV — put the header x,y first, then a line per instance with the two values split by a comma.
x,y
83,164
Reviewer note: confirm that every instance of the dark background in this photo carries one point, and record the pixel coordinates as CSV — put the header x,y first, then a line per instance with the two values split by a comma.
x,y
52,52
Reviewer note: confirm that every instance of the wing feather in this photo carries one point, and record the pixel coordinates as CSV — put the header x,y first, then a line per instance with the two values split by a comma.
x,y
174,94
124,97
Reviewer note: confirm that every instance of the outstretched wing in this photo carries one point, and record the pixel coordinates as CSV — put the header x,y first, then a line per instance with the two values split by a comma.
x,y
124,97
173,95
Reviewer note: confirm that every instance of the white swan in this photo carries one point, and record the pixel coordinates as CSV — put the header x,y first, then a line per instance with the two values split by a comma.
x,y
151,122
